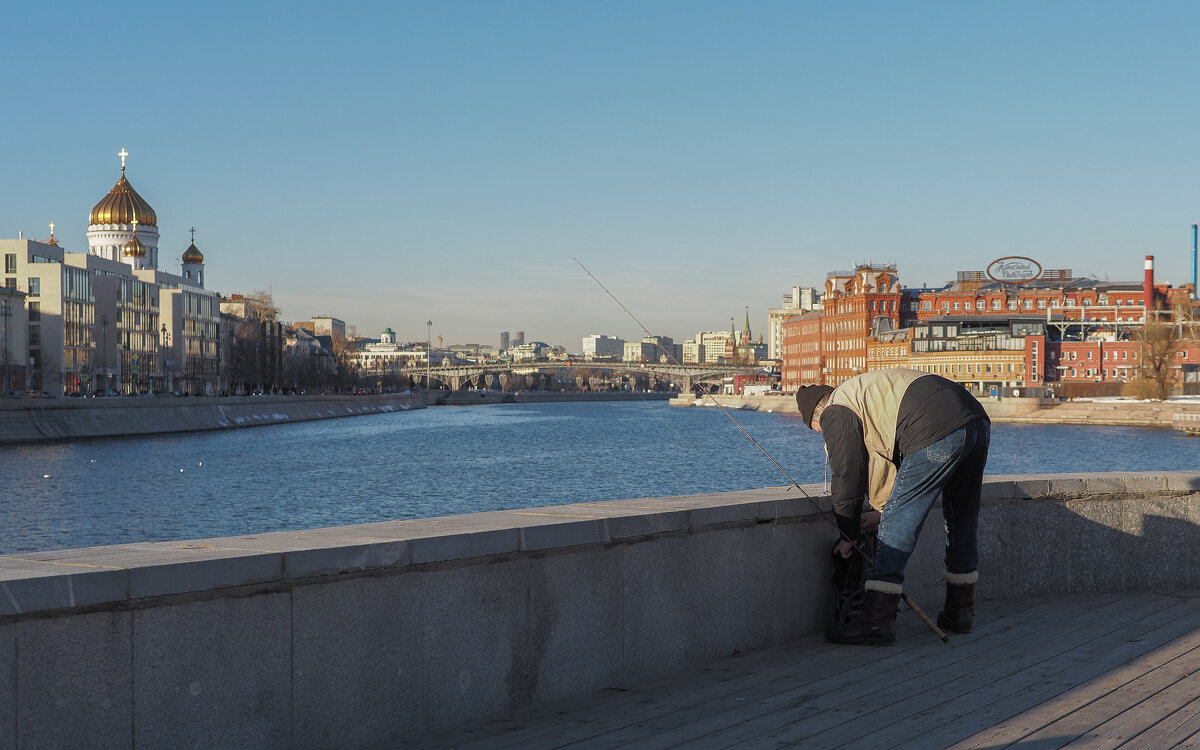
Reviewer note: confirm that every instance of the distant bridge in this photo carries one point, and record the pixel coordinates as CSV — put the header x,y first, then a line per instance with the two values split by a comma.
x,y
687,376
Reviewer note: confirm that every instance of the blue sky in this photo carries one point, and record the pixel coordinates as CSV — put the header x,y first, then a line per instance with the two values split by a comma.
x,y
390,163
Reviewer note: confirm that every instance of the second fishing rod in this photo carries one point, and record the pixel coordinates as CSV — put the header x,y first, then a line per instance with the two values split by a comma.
x,y
820,511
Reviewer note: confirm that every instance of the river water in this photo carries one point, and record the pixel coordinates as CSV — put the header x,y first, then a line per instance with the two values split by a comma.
x,y
449,460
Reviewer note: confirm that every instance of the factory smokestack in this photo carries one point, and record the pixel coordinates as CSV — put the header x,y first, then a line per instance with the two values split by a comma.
x,y
1148,291
1195,294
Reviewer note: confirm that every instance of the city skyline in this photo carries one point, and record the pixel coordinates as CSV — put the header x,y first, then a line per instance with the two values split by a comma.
x,y
411,163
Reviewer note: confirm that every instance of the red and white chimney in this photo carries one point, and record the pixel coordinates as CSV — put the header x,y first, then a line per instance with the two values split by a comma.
x,y
1148,290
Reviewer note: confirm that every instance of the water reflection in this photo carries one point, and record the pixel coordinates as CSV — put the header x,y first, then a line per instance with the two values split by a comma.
x,y
457,460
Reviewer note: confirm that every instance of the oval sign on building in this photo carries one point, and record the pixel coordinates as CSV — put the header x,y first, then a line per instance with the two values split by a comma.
x,y
1014,269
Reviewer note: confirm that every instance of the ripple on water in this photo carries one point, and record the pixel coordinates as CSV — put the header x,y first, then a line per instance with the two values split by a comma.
x,y
452,460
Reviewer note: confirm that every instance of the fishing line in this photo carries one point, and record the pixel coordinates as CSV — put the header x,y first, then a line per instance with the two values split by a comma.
x,y
650,410
717,403
820,511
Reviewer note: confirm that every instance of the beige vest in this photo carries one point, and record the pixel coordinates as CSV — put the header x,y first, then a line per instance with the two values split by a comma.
x,y
875,397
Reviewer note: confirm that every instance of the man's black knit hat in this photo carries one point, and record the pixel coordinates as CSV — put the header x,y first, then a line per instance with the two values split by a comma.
x,y
807,398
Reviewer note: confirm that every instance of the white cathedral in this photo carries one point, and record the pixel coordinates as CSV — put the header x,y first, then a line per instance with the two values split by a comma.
x,y
108,320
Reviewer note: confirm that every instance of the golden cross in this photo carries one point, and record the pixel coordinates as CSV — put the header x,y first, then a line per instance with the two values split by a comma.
x,y
123,154
52,229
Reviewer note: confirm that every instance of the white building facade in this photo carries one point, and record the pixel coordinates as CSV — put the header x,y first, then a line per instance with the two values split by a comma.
x,y
799,300
600,345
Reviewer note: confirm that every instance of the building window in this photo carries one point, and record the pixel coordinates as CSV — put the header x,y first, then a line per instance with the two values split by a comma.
x,y
35,286
35,312
1028,304
35,335
981,305
10,262
10,282
1041,304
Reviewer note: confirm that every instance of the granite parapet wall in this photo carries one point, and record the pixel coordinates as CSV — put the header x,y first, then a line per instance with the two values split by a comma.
x,y
359,636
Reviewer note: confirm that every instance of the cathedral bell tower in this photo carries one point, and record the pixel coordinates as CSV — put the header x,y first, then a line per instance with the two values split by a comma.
x,y
193,262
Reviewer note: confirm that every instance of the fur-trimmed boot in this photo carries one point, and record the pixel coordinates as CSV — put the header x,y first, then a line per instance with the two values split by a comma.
x,y
959,612
876,625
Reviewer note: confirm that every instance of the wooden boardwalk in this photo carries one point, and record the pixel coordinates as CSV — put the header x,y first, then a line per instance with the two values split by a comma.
x,y
1094,671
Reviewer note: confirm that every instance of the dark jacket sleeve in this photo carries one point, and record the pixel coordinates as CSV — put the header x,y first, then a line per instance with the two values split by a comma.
x,y
843,433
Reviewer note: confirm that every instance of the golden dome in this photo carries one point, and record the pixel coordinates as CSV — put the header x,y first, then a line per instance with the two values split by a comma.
x,y
193,254
123,205
134,248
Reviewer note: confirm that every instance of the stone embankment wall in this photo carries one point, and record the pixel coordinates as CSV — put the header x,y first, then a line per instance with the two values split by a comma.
x,y
359,636
470,398
33,420
1020,410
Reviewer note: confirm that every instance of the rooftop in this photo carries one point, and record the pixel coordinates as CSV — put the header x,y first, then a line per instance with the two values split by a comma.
x,y
1101,670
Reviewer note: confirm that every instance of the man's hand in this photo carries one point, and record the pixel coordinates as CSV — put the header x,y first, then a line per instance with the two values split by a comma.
x,y
869,520
844,548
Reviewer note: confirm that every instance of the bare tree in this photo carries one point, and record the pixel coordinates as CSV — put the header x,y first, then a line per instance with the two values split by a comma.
x,y
1161,339
255,343
260,305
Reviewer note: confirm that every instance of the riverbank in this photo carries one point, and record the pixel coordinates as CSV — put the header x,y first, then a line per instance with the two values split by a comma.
x,y
471,398
38,420
1012,410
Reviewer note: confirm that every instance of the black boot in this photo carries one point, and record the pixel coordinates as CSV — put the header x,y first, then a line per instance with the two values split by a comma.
x,y
875,626
959,612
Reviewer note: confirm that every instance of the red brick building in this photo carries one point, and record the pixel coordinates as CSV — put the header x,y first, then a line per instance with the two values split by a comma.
x,y
1056,294
802,360
855,306
985,334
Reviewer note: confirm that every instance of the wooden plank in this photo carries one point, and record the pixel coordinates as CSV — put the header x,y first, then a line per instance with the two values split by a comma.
x,y
1003,722
1130,703
804,695
1028,710
749,694
918,707
592,715
759,705
842,700
1180,729
1179,698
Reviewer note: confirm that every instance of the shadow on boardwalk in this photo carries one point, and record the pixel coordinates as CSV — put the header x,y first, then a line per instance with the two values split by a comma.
x,y
1106,670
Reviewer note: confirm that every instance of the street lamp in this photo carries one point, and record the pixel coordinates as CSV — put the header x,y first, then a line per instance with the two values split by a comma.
x,y
203,365
104,350
5,315
165,342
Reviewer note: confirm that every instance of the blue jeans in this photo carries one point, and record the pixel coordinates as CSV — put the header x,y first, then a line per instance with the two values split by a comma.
x,y
952,468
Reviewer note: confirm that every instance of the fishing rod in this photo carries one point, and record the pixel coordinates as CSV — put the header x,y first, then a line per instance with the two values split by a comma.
x,y
820,511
